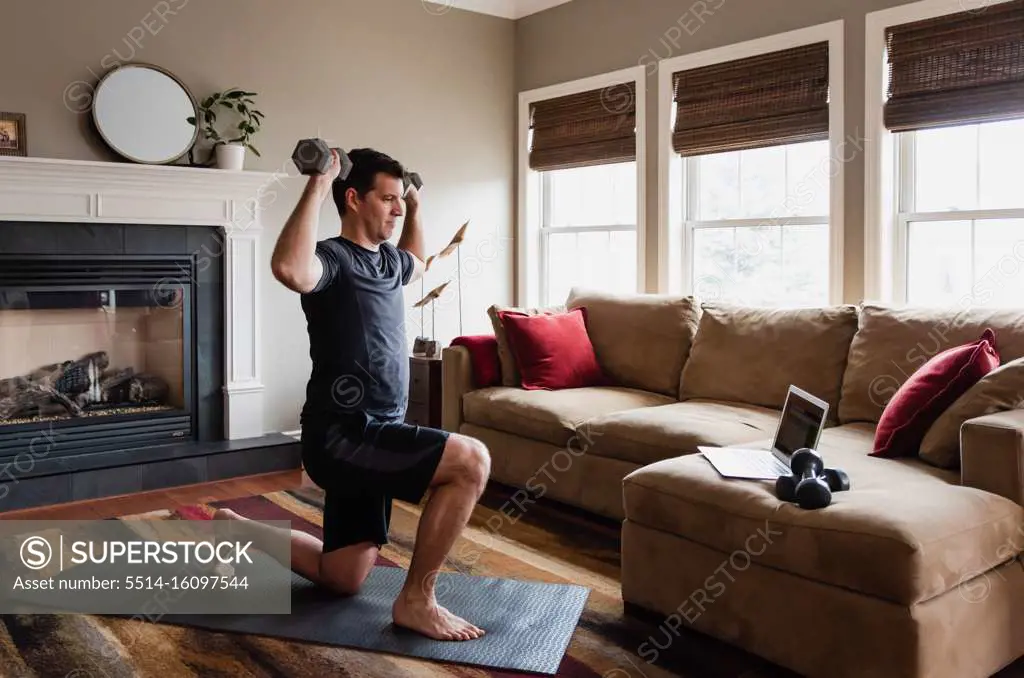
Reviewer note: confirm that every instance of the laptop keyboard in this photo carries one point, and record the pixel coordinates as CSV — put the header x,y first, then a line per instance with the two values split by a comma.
x,y
768,464
742,461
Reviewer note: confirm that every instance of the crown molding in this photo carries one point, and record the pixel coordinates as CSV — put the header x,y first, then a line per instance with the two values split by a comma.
x,y
528,7
507,9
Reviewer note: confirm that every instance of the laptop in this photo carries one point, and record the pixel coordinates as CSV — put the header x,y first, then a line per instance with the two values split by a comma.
x,y
801,423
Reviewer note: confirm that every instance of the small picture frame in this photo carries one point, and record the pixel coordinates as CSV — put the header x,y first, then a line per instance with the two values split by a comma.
x,y
13,139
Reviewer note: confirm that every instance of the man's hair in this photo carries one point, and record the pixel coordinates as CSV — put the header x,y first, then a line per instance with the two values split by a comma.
x,y
366,164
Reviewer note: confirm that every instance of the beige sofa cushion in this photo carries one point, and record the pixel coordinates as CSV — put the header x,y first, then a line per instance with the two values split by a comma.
x,y
904,532
752,355
992,454
641,341
894,342
550,416
509,371
654,433
1000,390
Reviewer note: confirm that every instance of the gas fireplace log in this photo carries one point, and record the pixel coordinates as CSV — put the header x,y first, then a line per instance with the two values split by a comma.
x,y
72,386
69,376
108,388
11,385
114,378
44,377
80,376
33,400
148,388
137,389
47,375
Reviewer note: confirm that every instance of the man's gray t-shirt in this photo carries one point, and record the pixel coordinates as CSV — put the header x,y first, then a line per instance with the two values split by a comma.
x,y
357,336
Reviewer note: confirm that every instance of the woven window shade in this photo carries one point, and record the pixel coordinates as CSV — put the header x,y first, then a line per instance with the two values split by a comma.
x,y
589,128
957,69
770,99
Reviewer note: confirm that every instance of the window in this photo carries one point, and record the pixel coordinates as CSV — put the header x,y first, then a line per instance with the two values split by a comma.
x,y
757,225
588,232
961,215
945,213
581,204
751,209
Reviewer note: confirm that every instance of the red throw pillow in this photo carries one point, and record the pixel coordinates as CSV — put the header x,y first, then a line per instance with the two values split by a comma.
x,y
929,391
483,356
552,351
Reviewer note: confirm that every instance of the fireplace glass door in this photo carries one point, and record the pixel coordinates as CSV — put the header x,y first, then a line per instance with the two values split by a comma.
x,y
92,354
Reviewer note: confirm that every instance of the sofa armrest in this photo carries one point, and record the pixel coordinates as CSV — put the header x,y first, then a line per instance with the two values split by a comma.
x,y
992,454
456,381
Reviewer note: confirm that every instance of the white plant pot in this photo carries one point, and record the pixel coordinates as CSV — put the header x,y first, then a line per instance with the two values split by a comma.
x,y
231,156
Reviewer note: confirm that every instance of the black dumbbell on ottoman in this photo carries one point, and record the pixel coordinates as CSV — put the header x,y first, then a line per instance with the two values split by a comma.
x,y
811,485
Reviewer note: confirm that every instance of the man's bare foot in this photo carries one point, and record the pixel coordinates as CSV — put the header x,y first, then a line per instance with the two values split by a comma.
x,y
227,514
432,620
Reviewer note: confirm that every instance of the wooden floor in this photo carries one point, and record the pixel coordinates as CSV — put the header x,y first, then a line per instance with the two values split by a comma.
x,y
126,505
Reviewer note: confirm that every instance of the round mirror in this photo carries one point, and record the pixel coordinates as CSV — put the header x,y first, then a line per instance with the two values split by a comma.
x,y
142,112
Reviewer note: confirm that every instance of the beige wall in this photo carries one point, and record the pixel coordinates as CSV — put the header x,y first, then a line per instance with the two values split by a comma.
x,y
589,37
435,90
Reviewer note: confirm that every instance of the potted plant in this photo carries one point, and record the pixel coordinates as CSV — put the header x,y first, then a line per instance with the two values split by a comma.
x,y
230,153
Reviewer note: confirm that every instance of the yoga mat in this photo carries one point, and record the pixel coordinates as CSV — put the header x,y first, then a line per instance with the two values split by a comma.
x,y
529,624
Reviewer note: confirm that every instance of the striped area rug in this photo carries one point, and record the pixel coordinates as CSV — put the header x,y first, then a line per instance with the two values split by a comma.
x,y
546,543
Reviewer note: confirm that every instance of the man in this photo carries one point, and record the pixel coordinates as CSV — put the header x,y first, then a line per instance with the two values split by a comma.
x,y
354,440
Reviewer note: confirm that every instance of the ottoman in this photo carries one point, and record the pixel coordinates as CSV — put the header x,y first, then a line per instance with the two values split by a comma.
x,y
908,574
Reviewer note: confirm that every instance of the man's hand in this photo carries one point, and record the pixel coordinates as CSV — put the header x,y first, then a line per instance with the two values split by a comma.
x,y
332,173
412,199
412,233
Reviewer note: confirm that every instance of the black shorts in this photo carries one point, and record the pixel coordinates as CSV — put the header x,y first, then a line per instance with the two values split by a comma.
x,y
362,464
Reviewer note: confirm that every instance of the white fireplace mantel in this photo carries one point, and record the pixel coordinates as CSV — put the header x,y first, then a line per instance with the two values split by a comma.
x,y
45,189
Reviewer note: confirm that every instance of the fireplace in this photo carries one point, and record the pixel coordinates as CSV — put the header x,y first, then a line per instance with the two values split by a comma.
x,y
130,355
105,351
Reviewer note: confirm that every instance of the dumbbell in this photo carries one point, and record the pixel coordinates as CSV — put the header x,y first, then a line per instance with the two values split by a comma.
x,y
411,179
313,157
837,479
808,485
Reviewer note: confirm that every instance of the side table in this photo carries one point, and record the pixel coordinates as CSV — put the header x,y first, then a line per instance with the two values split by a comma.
x,y
424,392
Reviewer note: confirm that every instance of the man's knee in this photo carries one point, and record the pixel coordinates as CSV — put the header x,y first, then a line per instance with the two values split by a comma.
x,y
481,463
475,462
345,582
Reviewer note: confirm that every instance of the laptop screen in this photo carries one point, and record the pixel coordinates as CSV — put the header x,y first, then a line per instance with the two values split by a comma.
x,y
800,425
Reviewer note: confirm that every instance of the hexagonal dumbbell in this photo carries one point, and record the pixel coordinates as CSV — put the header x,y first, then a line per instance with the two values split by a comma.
x,y
411,179
313,156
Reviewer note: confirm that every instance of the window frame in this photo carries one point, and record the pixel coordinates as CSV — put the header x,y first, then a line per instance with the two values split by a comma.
x,y
675,274
532,192
889,160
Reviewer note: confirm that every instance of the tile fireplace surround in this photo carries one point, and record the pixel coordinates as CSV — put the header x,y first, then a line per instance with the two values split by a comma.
x,y
86,192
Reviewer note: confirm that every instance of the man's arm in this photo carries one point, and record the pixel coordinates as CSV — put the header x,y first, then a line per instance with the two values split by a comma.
x,y
412,234
294,262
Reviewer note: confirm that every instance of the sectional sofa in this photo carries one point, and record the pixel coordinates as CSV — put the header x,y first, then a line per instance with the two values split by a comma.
x,y
915,572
